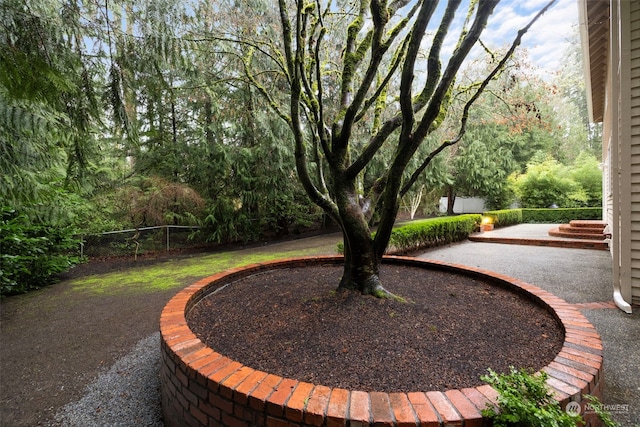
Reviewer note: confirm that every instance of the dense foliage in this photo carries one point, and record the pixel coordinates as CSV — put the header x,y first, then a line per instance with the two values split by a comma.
x,y
432,232
510,126
507,217
560,215
32,254
129,114
525,399
548,183
504,217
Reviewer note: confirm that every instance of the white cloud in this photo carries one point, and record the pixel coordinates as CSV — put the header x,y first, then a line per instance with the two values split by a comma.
x,y
504,24
547,40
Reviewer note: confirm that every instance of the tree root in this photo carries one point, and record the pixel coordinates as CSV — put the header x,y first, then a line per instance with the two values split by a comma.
x,y
380,292
372,286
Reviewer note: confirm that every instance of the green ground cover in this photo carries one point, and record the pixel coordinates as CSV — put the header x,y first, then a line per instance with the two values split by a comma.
x,y
174,273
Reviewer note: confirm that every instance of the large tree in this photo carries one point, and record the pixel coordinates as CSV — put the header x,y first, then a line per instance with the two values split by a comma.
x,y
351,71
48,108
579,134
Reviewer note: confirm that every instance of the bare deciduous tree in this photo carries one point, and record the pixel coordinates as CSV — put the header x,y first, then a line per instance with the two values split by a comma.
x,y
350,72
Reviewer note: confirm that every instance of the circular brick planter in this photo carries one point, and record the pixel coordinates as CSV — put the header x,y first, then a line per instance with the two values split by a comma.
x,y
203,388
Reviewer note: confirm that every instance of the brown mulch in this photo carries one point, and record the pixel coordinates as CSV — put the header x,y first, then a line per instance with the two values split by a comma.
x,y
292,323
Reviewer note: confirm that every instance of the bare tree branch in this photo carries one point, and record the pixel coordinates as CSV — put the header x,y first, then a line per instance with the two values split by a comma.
x,y
465,116
293,61
396,61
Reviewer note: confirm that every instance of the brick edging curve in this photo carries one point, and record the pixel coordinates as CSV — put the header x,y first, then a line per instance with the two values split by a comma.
x,y
201,387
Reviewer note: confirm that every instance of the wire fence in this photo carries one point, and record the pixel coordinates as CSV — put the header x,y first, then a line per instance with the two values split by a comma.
x,y
140,241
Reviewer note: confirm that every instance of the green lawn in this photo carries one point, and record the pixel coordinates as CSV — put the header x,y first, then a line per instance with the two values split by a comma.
x,y
175,273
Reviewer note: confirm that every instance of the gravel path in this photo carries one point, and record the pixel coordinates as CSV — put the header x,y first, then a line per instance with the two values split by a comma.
x,y
128,394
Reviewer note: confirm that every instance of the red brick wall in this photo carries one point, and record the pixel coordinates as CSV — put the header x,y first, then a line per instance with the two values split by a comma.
x,y
203,388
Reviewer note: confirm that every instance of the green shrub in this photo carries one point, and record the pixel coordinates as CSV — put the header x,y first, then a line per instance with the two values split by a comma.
x,y
32,254
546,184
560,215
525,400
504,217
586,172
433,232
604,415
429,233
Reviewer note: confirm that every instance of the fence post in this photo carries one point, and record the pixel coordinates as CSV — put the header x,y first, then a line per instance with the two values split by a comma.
x,y
167,238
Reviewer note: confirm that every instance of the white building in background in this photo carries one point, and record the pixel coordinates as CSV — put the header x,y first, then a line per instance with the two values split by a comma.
x,y
463,205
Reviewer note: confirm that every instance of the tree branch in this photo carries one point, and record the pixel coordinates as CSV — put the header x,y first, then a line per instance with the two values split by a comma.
x,y
465,115
417,34
350,62
276,58
381,16
433,60
433,74
397,58
293,61
275,106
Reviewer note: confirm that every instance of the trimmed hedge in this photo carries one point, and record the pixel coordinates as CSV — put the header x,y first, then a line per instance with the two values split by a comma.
x,y
560,215
432,232
504,217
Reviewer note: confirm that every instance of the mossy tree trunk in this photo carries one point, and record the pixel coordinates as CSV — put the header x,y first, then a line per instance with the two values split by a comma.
x,y
362,260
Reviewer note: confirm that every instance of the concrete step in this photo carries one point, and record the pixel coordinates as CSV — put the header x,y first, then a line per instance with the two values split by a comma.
x,y
557,243
580,229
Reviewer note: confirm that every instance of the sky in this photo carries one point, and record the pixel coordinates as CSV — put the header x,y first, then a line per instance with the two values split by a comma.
x,y
546,41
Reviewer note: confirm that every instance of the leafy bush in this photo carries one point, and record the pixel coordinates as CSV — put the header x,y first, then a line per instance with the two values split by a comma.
x,y
587,173
560,215
525,400
283,212
225,223
549,184
429,233
504,217
433,232
502,197
604,415
32,254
